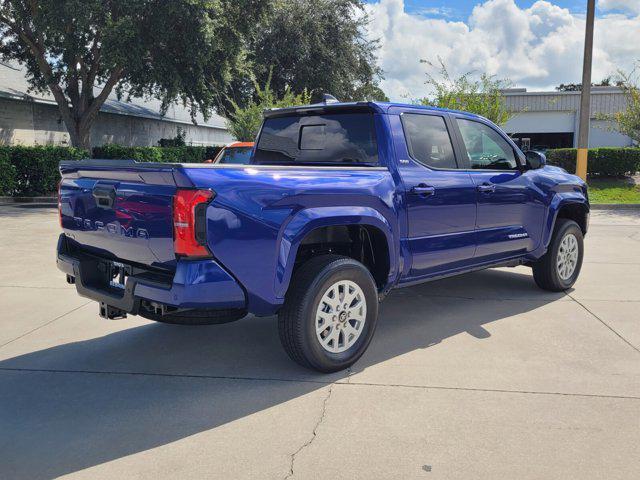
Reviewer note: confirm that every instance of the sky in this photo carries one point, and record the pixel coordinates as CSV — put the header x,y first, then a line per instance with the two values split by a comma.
x,y
536,44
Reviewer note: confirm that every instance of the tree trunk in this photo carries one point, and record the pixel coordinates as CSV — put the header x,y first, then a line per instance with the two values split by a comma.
x,y
78,110
82,117
80,135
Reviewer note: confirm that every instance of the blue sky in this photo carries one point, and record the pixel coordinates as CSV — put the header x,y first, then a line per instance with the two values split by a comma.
x,y
461,9
536,44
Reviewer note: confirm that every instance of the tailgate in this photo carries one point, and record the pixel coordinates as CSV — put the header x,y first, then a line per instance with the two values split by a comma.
x,y
121,209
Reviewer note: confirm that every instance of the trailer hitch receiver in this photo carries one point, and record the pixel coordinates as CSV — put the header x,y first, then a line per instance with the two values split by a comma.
x,y
111,313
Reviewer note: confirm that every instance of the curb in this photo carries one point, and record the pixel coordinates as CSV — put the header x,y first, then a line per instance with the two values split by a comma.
x,y
39,200
29,206
615,206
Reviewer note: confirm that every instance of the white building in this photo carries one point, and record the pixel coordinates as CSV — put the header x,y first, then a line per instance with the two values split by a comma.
x,y
551,119
33,119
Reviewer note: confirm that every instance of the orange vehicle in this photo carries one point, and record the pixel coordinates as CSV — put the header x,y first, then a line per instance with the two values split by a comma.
x,y
234,153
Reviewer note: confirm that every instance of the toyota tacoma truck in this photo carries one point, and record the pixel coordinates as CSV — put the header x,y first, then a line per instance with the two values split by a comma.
x,y
341,203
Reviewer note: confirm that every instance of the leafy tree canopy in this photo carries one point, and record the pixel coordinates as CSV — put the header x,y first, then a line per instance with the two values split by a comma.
x,y
577,87
80,50
483,96
314,45
628,120
244,122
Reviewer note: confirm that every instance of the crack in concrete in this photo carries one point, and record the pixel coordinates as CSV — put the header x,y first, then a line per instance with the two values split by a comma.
x,y
613,263
44,324
349,373
609,300
35,287
612,226
292,459
604,323
319,382
487,298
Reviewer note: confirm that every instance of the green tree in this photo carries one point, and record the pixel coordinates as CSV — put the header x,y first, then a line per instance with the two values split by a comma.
x,y
81,50
244,122
483,96
628,120
369,92
577,87
314,45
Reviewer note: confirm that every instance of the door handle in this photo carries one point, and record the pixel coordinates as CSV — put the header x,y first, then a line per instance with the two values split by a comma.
x,y
487,188
423,190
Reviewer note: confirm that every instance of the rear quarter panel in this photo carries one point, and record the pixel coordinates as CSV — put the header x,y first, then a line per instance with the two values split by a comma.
x,y
260,214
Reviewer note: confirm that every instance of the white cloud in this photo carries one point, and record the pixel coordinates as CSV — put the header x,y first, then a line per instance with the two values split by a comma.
x,y
435,12
632,6
538,47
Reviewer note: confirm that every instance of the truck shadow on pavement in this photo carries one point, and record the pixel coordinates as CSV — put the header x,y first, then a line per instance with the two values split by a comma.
x,y
80,404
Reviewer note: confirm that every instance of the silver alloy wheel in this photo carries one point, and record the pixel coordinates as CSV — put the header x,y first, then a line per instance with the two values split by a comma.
x,y
340,316
567,258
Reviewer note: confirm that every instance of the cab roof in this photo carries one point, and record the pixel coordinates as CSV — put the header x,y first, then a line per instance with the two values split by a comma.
x,y
377,107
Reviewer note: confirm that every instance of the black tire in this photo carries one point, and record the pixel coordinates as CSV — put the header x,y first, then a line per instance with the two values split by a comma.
x,y
296,319
545,272
195,317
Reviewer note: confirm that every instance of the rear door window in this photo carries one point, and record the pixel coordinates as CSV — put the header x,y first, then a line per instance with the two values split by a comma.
x,y
338,139
428,140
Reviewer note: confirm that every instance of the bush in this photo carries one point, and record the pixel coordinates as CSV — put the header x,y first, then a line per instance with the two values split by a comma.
x,y
563,158
211,152
32,171
186,154
7,174
178,141
605,161
35,169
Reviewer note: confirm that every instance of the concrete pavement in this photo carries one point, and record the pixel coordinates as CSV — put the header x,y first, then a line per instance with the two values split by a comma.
x,y
481,376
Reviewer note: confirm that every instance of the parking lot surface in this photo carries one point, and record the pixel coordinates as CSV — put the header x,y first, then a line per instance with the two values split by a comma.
x,y
479,376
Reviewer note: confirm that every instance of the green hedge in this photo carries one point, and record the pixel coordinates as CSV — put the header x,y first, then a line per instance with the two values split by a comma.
x,y
29,171
7,174
186,154
605,161
34,170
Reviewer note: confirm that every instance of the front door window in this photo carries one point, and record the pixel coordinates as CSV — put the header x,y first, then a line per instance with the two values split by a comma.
x,y
486,149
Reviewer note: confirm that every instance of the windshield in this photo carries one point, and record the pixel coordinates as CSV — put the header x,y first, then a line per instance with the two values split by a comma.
x,y
342,138
235,155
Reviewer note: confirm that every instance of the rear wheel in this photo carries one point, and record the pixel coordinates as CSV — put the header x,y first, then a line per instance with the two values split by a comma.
x,y
330,313
559,268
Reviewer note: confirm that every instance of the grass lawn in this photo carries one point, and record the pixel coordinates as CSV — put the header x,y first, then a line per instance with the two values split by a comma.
x,y
613,190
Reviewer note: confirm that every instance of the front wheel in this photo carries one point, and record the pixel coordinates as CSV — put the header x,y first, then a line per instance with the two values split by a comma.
x,y
330,313
559,268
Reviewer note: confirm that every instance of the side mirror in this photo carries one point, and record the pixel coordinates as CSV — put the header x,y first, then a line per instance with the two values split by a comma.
x,y
535,159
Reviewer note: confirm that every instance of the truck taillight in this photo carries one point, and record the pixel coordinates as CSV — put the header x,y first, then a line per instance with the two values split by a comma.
x,y
190,222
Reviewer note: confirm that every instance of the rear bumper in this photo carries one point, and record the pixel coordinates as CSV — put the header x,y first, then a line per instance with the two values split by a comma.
x,y
195,284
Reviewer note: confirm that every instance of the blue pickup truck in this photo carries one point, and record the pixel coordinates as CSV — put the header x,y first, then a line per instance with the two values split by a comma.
x,y
342,203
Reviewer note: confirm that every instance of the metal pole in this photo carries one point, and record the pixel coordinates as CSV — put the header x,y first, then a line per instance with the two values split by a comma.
x,y
585,98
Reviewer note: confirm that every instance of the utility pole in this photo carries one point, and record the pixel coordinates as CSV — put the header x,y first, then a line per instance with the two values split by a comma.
x,y
585,97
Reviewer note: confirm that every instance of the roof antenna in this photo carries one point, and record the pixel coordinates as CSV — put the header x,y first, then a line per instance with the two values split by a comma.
x,y
328,98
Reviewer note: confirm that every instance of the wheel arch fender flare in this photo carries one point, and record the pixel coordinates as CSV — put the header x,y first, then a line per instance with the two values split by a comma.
x,y
557,204
309,219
